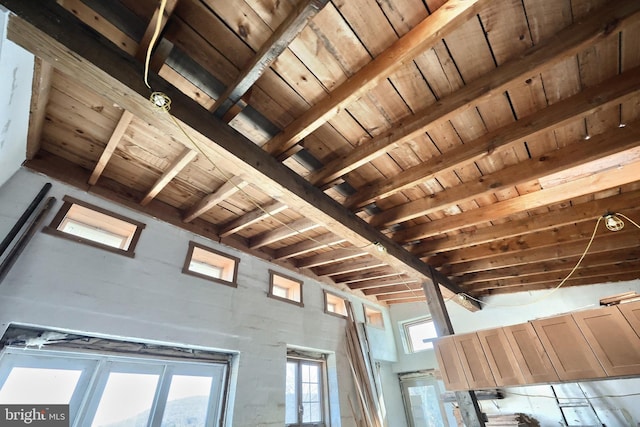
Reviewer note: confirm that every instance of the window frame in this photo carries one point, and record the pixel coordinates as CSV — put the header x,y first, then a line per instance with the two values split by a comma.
x,y
327,296
69,201
365,308
236,264
96,368
272,275
323,389
405,325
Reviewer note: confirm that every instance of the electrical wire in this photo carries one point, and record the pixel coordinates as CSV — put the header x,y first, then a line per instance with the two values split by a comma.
x,y
562,282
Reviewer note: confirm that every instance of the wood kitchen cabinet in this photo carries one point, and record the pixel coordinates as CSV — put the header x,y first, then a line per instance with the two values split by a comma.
x,y
452,372
502,360
474,361
568,350
531,356
612,339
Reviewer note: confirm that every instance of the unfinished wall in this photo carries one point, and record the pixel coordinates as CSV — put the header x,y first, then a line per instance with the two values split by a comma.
x,y
58,283
538,401
16,69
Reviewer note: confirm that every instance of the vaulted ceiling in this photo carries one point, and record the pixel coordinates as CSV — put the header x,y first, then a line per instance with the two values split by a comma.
x,y
374,144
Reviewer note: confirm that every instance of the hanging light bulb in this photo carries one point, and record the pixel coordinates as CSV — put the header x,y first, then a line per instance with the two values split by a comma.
x,y
613,223
380,247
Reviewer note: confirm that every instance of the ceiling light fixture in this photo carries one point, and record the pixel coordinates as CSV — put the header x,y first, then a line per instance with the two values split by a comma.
x,y
380,247
612,222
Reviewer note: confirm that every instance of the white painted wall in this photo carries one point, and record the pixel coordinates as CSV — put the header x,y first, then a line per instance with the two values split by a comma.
x,y
16,73
57,283
510,309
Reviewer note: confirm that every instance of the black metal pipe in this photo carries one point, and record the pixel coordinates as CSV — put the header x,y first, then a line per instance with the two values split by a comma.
x,y
22,241
23,219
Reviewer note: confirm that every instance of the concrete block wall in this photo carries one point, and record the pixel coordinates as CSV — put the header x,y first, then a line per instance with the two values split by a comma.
x,y
57,283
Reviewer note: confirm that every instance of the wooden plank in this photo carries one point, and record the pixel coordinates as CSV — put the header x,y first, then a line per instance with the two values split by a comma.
x,y
543,56
578,187
116,136
174,169
612,142
101,25
252,217
609,93
567,348
277,43
381,283
619,351
331,257
228,189
420,38
117,79
362,265
145,41
287,230
301,248
41,87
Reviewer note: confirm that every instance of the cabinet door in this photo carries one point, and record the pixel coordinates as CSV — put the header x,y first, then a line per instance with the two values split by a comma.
x,y
631,312
474,362
532,359
612,339
567,348
501,357
450,366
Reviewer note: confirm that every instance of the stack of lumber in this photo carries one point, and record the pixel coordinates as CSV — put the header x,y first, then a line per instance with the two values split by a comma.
x,y
515,420
363,373
623,298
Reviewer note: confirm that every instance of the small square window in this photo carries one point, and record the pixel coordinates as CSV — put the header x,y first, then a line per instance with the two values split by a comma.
x,y
210,264
373,317
94,226
285,288
335,305
419,334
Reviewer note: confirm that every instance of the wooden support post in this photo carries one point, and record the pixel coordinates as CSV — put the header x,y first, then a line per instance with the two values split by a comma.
x,y
467,402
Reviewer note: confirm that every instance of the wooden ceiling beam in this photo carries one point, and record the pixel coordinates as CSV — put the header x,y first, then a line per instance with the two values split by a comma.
x,y
405,300
480,277
612,241
581,212
301,248
556,236
610,92
331,257
186,157
46,31
379,273
566,43
294,228
600,181
41,87
379,283
394,289
422,37
145,41
114,140
361,265
610,278
226,190
252,217
402,296
269,52
612,142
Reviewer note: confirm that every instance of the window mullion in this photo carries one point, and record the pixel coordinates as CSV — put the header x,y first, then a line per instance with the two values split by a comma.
x,y
91,398
160,399
299,390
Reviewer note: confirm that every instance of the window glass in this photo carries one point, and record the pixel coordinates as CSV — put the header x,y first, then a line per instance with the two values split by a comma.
x,y
420,334
39,386
285,288
127,400
304,395
210,264
335,304
188,401
373,317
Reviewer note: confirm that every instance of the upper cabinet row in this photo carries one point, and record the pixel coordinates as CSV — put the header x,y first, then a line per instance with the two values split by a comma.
x,y
598,343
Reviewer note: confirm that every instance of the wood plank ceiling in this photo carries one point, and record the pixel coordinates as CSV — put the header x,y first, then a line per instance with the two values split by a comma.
x,y
483,138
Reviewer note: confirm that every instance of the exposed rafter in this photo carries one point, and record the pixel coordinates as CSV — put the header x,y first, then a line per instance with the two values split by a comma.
x,y
116,136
